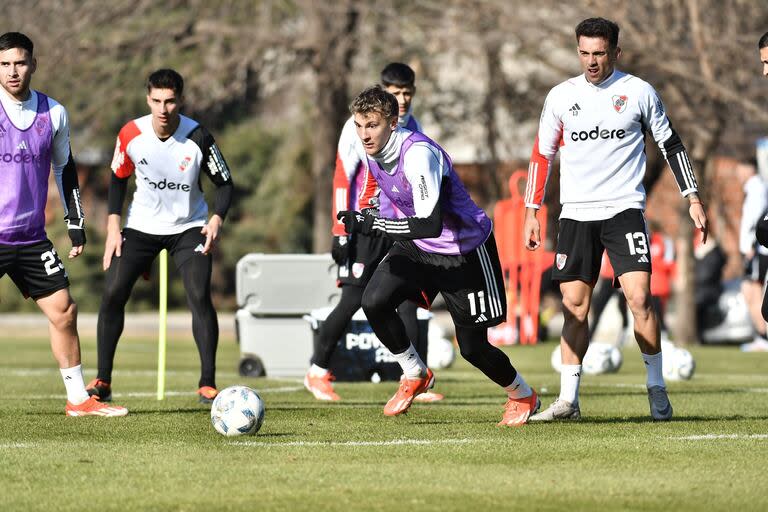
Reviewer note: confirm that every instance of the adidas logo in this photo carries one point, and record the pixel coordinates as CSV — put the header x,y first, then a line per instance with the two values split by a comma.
x,y
394,189
22,145
67,378
2,130
575,109
643,259
481,318
199,248
143,161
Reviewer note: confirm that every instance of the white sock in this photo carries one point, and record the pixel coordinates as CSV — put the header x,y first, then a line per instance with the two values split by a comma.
x,y
653,366
570,377
317,371
412,365
73,381
519,388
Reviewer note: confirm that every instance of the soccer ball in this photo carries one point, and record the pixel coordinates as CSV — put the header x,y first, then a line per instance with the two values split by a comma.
x,y
677,363
237,411
440,351
600,358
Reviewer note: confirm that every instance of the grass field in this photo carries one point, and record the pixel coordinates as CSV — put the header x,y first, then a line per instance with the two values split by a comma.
x,y
313,456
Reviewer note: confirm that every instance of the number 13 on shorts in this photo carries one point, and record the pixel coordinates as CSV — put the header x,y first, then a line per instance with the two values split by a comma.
x,y
638,243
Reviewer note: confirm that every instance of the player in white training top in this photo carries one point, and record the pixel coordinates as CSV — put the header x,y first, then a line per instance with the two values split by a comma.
x,y
168,153
598,121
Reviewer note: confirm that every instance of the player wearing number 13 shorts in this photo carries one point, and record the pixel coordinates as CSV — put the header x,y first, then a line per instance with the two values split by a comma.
x,y
598,121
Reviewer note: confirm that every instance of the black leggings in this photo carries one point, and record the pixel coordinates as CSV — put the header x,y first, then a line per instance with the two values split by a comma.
x,y
764,308
385,291
338,320
122,275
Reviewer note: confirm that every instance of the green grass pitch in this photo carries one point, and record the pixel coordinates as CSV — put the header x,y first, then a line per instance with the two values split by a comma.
x,y
314,456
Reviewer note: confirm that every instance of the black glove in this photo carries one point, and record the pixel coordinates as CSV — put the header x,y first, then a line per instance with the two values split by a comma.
x,y
356,222
76,232
340,249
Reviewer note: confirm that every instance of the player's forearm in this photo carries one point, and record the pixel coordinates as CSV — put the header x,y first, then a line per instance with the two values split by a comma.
x,y
118,188
410,228
538,175
66,180
114,222
677,158
223,199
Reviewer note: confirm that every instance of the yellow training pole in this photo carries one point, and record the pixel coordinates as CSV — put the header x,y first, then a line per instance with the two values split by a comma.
x,y
163,327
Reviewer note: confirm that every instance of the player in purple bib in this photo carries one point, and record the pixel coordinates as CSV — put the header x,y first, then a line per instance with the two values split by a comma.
x,y
443,244
34,137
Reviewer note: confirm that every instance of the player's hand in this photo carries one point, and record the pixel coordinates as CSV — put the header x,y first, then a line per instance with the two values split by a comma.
x,y
211,232
699,217
75,251
356,222
531,232
340,249
77,236
113,246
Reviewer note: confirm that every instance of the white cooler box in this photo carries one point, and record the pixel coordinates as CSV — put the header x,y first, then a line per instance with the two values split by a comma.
x,y
273,346
286,284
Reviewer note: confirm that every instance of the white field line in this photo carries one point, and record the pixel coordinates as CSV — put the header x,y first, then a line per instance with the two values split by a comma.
x,y
16,446
394,442
37,372
146,394
708,437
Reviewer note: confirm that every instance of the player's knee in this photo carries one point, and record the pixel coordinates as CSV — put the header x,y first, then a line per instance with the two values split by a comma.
x,y
575,309
65,319
639,302
372,302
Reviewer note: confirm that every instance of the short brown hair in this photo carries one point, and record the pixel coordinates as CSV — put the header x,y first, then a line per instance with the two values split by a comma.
x,y
599,27
375,99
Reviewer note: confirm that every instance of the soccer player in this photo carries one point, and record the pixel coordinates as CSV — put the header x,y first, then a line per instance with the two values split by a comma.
x,y
34,136
358,255
443,243
761,229
168,153
602,116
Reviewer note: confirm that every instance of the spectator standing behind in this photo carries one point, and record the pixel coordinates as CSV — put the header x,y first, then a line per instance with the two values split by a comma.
x,y
34,137
755,255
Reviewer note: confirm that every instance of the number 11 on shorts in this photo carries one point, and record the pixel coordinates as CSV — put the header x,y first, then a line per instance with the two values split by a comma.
x,y
476,299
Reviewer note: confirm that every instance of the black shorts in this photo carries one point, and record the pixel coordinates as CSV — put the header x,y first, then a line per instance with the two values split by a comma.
x,y
141,248
473,288
756,267
365,254
580,246
36,269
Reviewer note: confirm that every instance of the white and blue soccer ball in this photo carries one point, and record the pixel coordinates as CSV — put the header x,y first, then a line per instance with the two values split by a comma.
x,y
600,358
237,411
677,362
440,353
